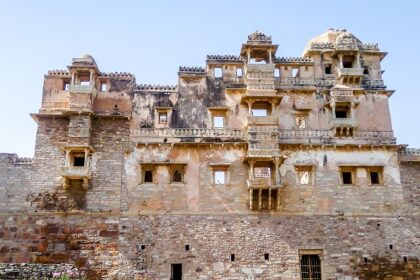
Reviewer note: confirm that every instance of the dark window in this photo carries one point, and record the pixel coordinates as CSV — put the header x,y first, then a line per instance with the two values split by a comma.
x,y
187,247
374,178
273,199
255,196
163,118
264,200
143,247
148,176
232,257
328,69
341,114
348,61
177,177
365,71
176,271
79,161
347,178
66,85
267,257
310,266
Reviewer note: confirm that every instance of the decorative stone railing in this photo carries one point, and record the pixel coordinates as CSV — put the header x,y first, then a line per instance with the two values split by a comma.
x,y
349,72
410,151
294,81
303,133
344,122
259,183
188,132
82,88
373,83
263,146
266,120
255,153
253,93
235,81
325,83
263,129
76,171
260,87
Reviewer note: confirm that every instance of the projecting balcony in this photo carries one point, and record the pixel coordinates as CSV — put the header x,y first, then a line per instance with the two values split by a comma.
x,y
350,75
81,88
263,120
76,172
261,183
344,127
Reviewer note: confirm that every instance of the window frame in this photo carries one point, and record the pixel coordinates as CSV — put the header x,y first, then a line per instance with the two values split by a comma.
x,y
305,168
312,252
375,169
218,168
348,169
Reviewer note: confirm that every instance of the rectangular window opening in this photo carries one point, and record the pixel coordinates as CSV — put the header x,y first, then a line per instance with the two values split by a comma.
x,y
276,73
255,196
177,176
295,72
374,178
273,199
347,177
176,271
148,176
163,117
219,177
218,73
218,121
66,85
79,160
262,172
348,61
232,257
310,267
328,69
341,113
103,87
239,72
266,256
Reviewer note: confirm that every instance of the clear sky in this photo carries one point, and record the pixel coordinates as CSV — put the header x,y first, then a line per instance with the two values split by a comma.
x,y
152,38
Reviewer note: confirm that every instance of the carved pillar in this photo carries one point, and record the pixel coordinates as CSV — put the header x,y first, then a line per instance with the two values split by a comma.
x,y
248,54
276,171
357,60
86,157
259,198
91,77
269,199
270,57
251,169
250,199
67,163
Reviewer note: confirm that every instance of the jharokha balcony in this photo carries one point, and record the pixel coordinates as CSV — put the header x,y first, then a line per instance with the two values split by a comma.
x,y
76,173
257,183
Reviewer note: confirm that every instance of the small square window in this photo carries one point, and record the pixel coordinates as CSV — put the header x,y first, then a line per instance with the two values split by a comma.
x,y
163,117
239,72
218,121
219,177
295,72
103,87
66,85
177,176
148,176
300,122
341,113
276,73
79,160
328,69
218,72
304,175
374,178
347,177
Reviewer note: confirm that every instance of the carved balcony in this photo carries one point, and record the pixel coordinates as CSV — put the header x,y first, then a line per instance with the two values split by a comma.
x,y
261,183
262,153
344,126
265,120
293,81
81,88
76,172
350,75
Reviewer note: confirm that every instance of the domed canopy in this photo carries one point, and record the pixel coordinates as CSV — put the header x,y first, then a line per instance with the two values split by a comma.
x,y
340,39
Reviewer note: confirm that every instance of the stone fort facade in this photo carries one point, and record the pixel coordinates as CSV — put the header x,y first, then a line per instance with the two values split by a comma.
x,y
253,167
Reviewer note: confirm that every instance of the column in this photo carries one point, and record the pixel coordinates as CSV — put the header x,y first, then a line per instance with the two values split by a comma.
x,y
72,79
259,198
270,57
250,199
86,157
357,60
269,199
248,54
276,173
67,163
251,169
91,77
340,56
